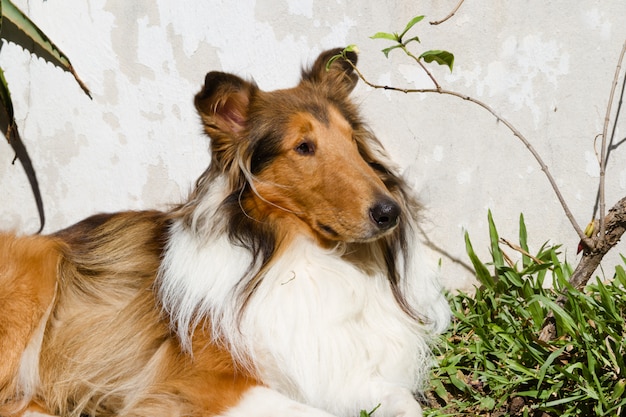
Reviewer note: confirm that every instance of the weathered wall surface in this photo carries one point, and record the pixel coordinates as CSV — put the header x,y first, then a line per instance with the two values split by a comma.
x,y
545,66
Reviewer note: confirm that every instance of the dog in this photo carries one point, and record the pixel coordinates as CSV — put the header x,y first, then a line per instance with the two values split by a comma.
x,y
290,283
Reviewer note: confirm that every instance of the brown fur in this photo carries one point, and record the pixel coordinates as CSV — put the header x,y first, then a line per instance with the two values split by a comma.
x,y
105,300
298,161
28,281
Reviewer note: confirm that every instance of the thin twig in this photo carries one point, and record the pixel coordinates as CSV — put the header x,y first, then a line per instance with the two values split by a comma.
x,y
508,260
437,22
521,250
421,64
603,150
517,133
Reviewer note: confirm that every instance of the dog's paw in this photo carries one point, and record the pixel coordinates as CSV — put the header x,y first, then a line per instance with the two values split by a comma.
x,y
400,403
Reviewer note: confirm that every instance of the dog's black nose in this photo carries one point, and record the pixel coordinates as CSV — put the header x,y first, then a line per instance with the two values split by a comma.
x,y
385,213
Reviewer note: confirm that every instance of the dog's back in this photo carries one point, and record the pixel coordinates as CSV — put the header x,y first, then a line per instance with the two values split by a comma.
x,y
290,283
103,298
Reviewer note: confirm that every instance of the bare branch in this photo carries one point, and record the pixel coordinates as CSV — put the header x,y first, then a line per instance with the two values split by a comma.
x,y
521,250
603,149
456,8
517,133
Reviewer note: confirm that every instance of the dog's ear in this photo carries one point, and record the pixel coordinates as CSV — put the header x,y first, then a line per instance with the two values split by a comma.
x,y
334,69
223,106
223,103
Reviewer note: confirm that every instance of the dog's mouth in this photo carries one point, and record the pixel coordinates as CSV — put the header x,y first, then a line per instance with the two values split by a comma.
x,y
330,233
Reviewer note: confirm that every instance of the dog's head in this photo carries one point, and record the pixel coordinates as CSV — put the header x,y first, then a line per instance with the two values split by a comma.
x,y
301,157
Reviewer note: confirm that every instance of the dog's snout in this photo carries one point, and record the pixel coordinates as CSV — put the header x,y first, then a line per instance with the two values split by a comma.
x,y
385,213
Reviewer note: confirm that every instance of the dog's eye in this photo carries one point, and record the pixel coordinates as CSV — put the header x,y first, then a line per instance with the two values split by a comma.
x,y
305,148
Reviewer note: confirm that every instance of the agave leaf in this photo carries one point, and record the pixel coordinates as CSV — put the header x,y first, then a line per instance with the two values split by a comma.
x,y
19,29
7,103
9,128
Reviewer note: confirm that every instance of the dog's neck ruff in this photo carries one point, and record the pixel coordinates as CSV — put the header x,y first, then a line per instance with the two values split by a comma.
x,y
306,328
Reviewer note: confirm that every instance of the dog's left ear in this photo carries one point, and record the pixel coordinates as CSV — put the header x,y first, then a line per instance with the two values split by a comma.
x,y
334,69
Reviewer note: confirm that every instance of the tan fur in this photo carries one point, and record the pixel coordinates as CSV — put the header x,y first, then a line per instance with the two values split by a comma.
x,y
28,279
105,299
108,349
345,186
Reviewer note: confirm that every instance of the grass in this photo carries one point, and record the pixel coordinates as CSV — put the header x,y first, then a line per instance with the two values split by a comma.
x,y
491,362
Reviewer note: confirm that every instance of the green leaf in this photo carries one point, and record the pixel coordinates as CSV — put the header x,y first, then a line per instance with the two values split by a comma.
x,y
331,60
7,103
563,317
440,390
487,403
618,389
458,381
19,29
10,130
620,273
384,35
391,48
547,364
414,38
564,400
496,253
440,57
523,240
409,25
364,413
537,312
482,273
342,54
607,299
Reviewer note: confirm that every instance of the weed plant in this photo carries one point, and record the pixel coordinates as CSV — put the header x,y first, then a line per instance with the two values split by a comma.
x,y
491,361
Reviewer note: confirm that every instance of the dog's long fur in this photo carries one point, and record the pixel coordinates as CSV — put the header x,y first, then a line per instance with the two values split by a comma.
x,y
289,284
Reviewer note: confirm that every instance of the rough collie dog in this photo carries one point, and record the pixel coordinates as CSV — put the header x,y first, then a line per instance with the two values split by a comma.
x,y
289,284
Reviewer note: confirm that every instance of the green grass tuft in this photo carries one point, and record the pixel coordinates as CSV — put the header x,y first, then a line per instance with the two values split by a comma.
x,y
491,361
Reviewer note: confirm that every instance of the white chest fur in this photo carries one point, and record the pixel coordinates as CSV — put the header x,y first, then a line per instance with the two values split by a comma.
x,y
317,328
324,332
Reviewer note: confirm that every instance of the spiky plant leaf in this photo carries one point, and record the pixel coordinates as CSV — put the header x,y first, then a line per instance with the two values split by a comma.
x,y
17,28
9,128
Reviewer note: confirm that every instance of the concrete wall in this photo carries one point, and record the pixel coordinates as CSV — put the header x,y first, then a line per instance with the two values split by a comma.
x,y
546,66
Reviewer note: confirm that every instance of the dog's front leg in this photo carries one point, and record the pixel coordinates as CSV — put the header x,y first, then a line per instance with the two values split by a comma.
x,y
397,402
265,402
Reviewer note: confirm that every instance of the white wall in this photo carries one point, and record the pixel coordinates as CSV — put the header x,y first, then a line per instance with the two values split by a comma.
x,y
546,66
